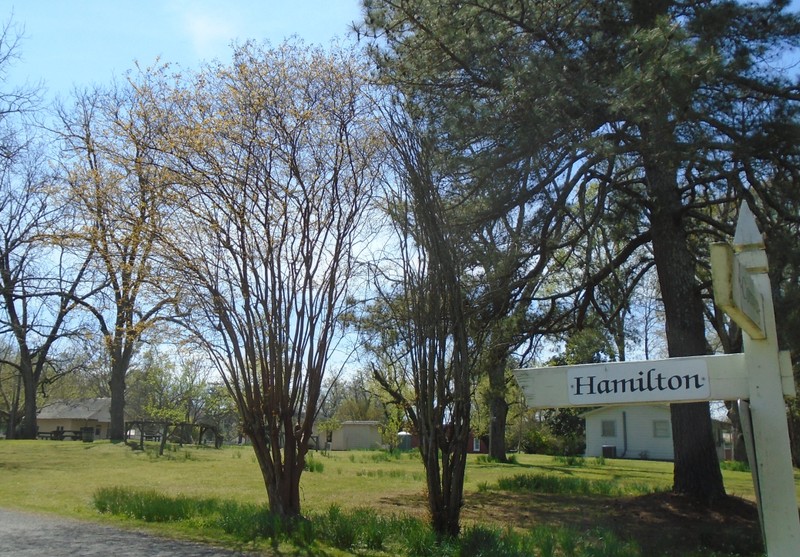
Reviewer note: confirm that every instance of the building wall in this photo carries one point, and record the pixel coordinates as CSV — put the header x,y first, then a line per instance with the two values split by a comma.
x,y
356,435
647,429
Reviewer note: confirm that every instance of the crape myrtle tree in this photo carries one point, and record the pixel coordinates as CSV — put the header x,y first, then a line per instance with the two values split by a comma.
x,y
116,182
417,327
677,99
277,155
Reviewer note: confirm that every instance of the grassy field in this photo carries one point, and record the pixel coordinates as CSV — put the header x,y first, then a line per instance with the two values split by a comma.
x,y
62,477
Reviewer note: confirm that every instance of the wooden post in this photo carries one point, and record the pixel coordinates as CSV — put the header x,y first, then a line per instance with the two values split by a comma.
x,y
773,475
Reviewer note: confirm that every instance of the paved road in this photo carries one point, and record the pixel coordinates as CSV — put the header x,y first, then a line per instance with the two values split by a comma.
x,y
34,535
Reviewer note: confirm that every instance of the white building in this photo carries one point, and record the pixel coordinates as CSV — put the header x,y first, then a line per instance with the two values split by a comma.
x,y
356,435
638,432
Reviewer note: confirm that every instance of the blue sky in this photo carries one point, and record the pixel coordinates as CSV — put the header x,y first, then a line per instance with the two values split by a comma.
x,y
71,43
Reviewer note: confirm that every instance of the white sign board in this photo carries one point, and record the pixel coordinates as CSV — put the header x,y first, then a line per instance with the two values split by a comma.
x,y
718,377
735,292
638,382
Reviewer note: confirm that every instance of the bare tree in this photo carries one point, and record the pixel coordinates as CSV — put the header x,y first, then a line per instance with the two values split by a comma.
x,y
40,281
117,185
277,153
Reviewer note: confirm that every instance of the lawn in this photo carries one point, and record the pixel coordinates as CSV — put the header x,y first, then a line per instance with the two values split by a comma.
x,y
62,477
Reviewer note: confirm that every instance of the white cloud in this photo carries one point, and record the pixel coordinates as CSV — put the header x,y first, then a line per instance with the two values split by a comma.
x,y
209,32
208,26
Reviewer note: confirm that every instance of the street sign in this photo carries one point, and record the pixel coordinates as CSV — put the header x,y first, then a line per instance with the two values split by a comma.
x,y
761,377
690,379
734,291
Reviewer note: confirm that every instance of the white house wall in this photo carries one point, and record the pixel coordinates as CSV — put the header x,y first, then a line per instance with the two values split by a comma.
x,y
638,423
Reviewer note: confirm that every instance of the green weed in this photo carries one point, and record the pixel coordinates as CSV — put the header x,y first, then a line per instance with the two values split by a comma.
x,y
570,460
545,483
734,466
313,465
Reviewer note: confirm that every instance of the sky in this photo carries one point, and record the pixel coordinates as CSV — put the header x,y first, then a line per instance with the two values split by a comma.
x,y
69,43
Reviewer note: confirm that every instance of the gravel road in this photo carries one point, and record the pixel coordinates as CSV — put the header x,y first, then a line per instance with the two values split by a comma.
x,y
25,534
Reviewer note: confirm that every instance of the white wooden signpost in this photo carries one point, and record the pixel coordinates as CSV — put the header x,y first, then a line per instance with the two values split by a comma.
x,y
759,379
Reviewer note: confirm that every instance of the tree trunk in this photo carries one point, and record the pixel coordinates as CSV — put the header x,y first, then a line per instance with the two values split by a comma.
x,y
28,429
495,362
116,429
739,449
13,411
498,408
280,469
794,430
696,471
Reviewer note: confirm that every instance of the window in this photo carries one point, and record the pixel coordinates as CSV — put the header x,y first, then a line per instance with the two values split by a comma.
x,y
476,445
608,428
661,428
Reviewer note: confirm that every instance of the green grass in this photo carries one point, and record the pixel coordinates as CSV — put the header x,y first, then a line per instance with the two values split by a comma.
x,y
64,477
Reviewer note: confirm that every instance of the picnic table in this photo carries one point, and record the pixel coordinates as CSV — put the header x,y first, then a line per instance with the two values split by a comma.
x,y
61,435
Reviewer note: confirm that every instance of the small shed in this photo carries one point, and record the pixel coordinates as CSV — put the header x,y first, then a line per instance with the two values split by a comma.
x,y
639,432
356,435
74,415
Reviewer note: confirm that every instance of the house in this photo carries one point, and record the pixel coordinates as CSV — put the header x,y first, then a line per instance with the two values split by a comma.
x,y
639,432
478,444
73,415
356,435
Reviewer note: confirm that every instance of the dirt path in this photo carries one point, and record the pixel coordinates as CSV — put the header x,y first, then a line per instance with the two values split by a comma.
x,y
33,535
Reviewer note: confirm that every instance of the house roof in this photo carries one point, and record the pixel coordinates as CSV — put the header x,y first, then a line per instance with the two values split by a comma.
x,y
84,409
621,407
